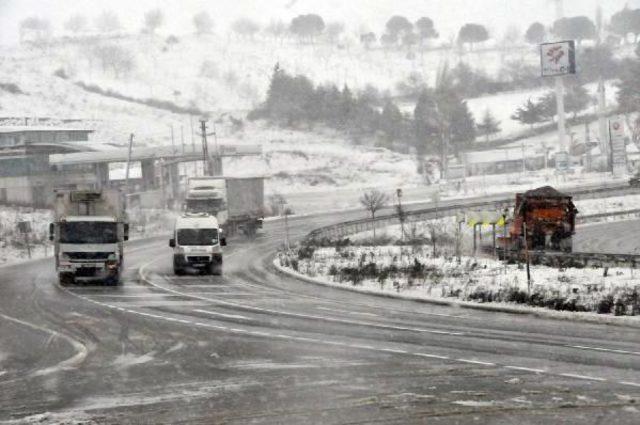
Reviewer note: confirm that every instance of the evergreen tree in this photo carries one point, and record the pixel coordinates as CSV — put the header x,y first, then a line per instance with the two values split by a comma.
x,y
629,87
391,121
529,114
427,131
489,125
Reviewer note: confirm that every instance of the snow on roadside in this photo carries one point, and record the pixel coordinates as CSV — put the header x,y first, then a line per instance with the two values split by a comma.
x,y
413,272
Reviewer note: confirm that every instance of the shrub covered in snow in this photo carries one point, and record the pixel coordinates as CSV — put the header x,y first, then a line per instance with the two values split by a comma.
x,y
417,272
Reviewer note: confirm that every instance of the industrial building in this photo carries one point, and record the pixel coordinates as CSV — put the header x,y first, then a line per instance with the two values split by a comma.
x,y
35,160
26,177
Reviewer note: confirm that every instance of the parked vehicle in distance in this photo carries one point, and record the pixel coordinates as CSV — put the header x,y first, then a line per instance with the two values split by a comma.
x,y
237,202
197,244
89,231
635,180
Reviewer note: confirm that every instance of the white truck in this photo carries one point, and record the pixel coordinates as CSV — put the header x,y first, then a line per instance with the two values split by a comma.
x,y
197,244
89,232
237,202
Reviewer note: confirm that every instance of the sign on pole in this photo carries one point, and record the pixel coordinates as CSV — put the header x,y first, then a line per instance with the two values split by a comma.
x,y
24,226
618,146
558,58
562,162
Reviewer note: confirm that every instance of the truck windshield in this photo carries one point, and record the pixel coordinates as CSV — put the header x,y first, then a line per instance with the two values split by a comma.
x,y
88,232
197,236
205,205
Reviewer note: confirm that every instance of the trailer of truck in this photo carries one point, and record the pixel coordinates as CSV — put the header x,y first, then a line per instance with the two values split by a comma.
x,y
237,203
88,232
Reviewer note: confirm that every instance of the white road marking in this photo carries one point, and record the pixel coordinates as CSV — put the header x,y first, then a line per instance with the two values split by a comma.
x,y
608,350
633,384
526,369
147,295
432,356
71,362
585,377
230,316
290,314
393,350
355,313
334,343
475,362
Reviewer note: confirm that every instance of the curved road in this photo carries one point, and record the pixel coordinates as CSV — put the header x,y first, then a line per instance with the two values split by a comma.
x,y
256,347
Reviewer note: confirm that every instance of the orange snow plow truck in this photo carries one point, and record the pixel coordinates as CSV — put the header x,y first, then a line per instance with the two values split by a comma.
x,y
543,220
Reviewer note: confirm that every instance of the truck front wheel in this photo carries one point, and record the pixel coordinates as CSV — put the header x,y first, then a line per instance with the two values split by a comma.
x,y
215,268
66,279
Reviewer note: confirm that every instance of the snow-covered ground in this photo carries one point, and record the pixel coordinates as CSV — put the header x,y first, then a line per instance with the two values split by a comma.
x,y
413,272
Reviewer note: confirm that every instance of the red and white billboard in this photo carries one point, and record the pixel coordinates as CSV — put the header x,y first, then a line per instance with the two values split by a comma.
x,y
558,58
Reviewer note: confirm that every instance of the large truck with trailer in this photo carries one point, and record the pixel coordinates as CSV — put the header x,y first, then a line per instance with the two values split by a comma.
x,y
544,220
237,202
88,232
197,243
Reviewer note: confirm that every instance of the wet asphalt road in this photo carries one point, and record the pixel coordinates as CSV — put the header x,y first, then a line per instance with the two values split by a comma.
x,y
256,347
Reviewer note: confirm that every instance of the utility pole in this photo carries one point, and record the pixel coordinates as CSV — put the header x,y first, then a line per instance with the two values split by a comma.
x,y
603,128
400,212
193,146
526,254
560,91
173,142
216,161
284,211
182,137
126,178
205,148
524,163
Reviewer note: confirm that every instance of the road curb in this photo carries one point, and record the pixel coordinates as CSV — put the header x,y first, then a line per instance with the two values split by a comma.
x,y
590,318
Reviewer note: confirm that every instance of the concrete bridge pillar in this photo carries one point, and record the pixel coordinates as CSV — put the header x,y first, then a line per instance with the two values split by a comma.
x,y
148,175
102,175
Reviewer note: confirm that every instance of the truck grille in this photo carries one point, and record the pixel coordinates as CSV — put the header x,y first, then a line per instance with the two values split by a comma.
x,y
88,255
198,259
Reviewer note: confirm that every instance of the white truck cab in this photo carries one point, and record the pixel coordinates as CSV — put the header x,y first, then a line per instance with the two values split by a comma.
x,y
197,244
88,232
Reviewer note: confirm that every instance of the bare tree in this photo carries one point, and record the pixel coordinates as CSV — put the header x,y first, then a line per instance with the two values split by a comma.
x,y
115,58
245,27
373,201
34,30
153,20
277,29
334,31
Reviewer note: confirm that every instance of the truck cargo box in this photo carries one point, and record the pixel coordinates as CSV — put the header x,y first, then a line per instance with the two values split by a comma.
x,y
245,196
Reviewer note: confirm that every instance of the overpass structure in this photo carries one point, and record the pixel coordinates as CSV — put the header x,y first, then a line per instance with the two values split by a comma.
x,y
159,164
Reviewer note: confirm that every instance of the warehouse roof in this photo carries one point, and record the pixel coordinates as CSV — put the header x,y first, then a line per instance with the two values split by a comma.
x,y
38,128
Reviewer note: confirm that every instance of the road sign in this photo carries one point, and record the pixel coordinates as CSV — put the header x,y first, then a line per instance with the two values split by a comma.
x,y
558,58
616,126
618,146
562,162
24,226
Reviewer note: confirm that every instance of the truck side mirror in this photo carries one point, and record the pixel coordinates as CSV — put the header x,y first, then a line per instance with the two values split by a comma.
x,y
51,231
172,243
223,241
126,231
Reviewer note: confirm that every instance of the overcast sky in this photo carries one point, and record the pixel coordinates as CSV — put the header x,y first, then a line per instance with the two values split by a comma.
x,y
448,15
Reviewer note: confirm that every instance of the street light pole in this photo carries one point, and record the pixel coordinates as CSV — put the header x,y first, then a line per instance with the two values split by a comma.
x,y
400,212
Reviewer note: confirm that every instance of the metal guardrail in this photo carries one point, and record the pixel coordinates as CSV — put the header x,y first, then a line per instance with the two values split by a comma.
x,y
340,230
574,259
594,217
